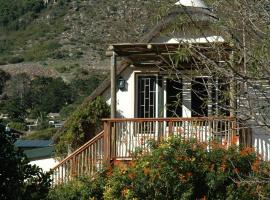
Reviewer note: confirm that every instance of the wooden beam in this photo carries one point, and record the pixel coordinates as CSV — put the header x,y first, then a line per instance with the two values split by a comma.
x,y
113,85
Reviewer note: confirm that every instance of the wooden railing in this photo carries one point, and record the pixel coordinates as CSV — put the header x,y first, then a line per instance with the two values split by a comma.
x,y
86,160
121,138
124,136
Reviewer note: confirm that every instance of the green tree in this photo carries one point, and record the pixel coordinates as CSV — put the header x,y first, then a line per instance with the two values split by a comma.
x,y
18,93
18,179
16,109
85,86
11,11
49,95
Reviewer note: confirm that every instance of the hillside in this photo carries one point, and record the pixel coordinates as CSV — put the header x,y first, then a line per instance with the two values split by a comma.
x,y
70,36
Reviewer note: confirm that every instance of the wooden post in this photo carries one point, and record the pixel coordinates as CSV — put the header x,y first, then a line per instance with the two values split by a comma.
x,y
107,142
170,128
113,85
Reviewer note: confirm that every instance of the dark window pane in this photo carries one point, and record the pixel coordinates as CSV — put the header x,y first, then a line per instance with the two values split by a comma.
x,y
199,97
174,98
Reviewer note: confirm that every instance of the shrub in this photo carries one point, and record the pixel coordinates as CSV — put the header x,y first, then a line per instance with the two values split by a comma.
x,y
178,169
82,125
84,188
15,59
3,62
42,50
18,126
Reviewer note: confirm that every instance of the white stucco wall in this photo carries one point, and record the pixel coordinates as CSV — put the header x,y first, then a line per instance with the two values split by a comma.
x,y
125,98
45,164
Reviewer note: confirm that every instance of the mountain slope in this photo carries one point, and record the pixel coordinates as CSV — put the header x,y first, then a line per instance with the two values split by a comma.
x,y
72,35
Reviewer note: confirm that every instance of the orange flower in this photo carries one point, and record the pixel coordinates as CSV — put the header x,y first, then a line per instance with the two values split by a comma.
x,y
203,145
211,167
124,192
223,167
109,173
246,151
146,171
132,163
255,166
182,178
216,145
188,174
238,183
235,170
131,176
181,158
235,140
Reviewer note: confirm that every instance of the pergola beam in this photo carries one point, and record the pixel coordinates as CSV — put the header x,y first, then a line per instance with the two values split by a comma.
x,y
113,85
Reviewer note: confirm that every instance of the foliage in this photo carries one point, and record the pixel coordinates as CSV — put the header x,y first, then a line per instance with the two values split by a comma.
x,y
35,97
66,111
17,126
16,109
11,11
44,134
15,59
49,95
19,179
85,86
179,169
84,188
83,124
41,51
17,90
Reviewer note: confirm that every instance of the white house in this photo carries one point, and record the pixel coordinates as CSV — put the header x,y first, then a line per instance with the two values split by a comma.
x,y
175,81
39,152
155,88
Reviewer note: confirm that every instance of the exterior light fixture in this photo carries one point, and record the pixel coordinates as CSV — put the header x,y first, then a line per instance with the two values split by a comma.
x,y
121,83
7,129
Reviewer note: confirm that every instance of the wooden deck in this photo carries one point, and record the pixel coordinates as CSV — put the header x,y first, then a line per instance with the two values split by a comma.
x,y
121,137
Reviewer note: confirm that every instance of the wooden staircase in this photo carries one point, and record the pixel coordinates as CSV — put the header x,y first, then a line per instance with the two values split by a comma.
x,y
87,160
121,137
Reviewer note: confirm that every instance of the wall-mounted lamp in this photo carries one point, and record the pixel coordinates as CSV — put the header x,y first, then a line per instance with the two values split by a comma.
x,y
121,83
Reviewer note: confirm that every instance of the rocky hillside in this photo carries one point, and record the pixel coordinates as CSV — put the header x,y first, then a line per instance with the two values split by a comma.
x,y
71,36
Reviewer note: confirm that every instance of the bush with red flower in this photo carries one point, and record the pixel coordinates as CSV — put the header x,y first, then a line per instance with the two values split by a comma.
x,y
180,169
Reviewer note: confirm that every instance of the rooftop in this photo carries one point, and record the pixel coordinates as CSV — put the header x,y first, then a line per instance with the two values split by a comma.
x,y
39,153
33,143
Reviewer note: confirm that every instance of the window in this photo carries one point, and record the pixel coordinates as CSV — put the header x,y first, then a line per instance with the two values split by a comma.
x,y
221,97
174,98
199,97
147,96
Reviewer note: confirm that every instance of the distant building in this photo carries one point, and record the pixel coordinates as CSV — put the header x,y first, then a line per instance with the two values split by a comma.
x,y
39,152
